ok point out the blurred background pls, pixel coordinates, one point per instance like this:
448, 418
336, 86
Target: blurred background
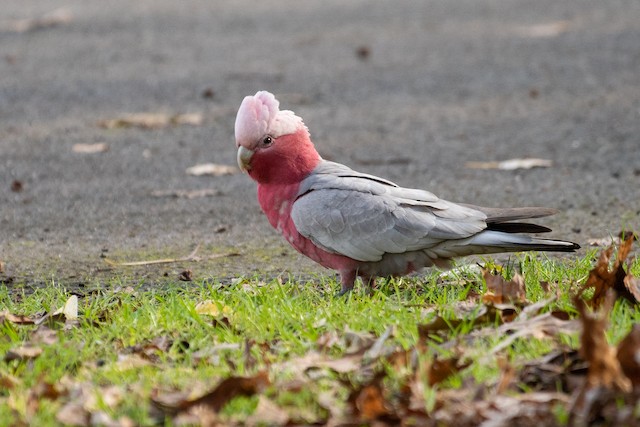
105, 107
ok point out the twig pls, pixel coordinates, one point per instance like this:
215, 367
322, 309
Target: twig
191, 257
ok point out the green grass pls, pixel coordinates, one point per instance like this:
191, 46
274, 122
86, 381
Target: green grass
286, 316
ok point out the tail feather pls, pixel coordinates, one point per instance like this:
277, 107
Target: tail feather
517, 227
500, 215
490, 241
516, 242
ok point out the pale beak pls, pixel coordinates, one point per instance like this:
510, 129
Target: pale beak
244, 158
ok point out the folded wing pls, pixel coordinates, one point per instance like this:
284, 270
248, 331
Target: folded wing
364, 217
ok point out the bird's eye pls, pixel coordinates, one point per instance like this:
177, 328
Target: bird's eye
267, 140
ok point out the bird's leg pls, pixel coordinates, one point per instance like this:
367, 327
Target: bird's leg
369, 281
347, 279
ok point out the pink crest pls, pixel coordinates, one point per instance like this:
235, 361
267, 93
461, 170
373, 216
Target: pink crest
259, 115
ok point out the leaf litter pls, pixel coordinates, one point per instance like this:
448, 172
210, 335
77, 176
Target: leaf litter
152, 120
360, 377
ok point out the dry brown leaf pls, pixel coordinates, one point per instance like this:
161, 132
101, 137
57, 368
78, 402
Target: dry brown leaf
628, 355
560, 370
44, 335
545, 325
481, 315
212, 308
42, 390
25, 352
314, 360
17, 319
73, 414
501, 291
380, 347
186, 194
601, 278
550, 29
152, 120
215, 400
368, 403
51, 19
99, 147
631, 288
8, 382
604, 368
131, 361
441, 369
212, 169
267, 413
511, 164
185, 276
507, 375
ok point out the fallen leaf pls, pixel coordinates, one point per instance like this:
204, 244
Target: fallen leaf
42, 390
441, 369
501, 291
368, 402
479, 315
73, 414
186, 194
70, 309
628, 355
44, 335
215, 400
545, 325
314, 360
152, 120
602, 278
17, 319
185, 276
67, 313
380, 348
550, 29
208, 307
8, 382
212, 169
507, 375
99, 147
126, 362
559, 370
25, 352
604, 367
631, 290
51, 19
511, 164
267, 413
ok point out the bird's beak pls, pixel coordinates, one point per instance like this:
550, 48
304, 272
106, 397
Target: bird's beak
244, 158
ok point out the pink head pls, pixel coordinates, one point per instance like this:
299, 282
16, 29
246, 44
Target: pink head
273, 145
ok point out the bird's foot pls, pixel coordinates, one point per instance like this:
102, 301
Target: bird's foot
344, 290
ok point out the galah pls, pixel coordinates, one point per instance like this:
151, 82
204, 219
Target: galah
359, 224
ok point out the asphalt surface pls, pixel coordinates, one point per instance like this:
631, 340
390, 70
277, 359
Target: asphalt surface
409, 90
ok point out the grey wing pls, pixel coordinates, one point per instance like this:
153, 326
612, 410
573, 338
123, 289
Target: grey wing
363, 217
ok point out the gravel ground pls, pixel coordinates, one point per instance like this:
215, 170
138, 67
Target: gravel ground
409, 90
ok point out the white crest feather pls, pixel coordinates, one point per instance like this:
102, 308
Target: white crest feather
259, 115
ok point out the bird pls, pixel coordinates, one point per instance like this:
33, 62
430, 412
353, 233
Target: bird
359, 224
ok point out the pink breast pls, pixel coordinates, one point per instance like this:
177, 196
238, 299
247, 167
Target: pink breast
277, 202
